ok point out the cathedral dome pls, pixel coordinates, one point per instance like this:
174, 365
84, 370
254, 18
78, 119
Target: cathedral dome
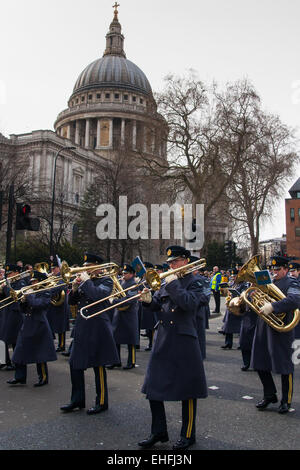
113, 71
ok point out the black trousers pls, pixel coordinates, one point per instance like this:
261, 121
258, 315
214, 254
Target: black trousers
131, 353
229, 339
159, 422
246, 355
62, 340
270, 388
217, 297
78, 386
41, 368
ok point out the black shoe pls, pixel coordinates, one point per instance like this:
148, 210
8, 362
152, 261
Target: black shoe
148, 349
129, 366
16, 381
183, 443
284, 407
2, 366
66, 354
227, 346
59, 349
40, 383
72, 406
112, 366
153, 439
244, 368
10, 367
262, 405
97, 409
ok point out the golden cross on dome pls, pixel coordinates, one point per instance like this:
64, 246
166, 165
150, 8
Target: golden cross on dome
115, 6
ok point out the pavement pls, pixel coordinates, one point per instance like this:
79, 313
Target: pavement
30, 418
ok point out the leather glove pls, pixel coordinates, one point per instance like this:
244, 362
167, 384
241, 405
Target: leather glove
146, 296
172, 277
267, 309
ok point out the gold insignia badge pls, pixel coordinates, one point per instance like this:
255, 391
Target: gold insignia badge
169, 252
84, 258
273, 262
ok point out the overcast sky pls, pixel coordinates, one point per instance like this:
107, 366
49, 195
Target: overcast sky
46, 44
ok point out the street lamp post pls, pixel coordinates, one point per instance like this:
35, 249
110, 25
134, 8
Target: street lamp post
53, 197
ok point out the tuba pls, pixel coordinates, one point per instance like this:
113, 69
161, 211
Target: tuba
256, 296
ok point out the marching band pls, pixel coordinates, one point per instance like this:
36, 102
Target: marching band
109, 306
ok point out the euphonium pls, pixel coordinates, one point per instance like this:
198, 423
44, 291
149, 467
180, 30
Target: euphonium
256, 296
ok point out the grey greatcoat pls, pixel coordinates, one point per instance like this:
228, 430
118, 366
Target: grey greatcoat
232, 322
35, 341
59, 316
272, 350
175, 370
125, 323
93, 343
12, 318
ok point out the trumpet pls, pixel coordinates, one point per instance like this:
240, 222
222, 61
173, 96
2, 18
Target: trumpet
152, 279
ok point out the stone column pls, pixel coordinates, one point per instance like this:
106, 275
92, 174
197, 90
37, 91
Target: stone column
87, 133
98, 133
111, 133
77, 141
134, 135
122, 132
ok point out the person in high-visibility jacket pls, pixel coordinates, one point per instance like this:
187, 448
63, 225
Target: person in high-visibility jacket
215, 287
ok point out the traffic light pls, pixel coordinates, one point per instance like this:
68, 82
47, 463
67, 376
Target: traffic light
23, 221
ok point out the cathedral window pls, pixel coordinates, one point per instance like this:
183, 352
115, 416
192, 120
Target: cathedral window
90, 97
98, 96
117, 96
107, 96
134, 98
125, 97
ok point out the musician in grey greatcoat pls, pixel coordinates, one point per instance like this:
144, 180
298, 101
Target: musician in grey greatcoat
11, 316
232, 322
175, 370
93, 343
272, 350
34, 342
59, 310
125, 321
294, 272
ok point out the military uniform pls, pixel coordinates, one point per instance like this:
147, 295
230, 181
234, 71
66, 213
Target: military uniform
59, 315
34, 342
11, 316
125, 322
272, 350
232, 322
175, 370
93, 343
293, 266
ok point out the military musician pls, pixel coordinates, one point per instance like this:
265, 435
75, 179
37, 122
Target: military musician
93, 343
175, 370
34, 341
272, 350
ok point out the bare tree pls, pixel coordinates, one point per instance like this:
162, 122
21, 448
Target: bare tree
261, 180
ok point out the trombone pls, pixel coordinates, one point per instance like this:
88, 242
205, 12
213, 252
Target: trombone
15, 295
111, 269
152, 278
16, 277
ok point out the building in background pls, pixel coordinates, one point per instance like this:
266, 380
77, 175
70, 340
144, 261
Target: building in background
292, 218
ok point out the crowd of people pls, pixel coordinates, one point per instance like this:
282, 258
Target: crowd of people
38, 308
